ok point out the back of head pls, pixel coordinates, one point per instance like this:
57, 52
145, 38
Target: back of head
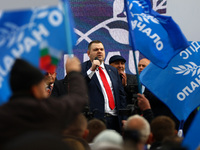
37, 141
140, 124
76, 143
108, 139
95, 126
23, 76
172, 143
132, 140
162, 127
77, 127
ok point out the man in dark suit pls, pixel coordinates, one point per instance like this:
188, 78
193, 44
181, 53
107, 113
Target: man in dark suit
129, 81
99, 99
60, 87
50, 79
136, 103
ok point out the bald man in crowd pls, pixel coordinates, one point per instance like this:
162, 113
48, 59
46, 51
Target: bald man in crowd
137, 132
142, 64
157, 106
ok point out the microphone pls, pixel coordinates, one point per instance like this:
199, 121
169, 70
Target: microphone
96, 58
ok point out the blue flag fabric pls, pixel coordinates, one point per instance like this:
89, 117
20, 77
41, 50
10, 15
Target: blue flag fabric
69, 26
178, 84
191, 140
156, 36
23, 33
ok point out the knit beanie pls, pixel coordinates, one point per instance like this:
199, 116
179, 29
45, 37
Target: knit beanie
23, 76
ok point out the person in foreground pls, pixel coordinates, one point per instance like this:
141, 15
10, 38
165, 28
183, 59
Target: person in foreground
29, 109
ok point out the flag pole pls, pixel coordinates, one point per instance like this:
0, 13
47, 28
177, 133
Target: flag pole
137, 73
134, 49
67, 28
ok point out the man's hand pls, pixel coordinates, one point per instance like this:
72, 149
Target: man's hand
95, 63
123, 124
143, 102
124, 78
73, 64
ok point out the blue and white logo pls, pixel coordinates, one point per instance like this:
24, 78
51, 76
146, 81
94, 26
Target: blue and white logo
23, 32
178, 85
153, 34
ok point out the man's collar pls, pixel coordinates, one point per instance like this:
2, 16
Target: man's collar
102, 66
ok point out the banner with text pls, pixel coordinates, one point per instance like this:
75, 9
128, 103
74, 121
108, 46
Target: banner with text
104, 20
178, 85
36, 35
162, 36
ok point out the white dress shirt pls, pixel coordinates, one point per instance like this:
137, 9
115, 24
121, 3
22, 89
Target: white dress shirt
90, 74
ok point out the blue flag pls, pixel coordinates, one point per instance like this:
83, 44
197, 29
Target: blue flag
178, 85
36, 35
157, 37
191, 140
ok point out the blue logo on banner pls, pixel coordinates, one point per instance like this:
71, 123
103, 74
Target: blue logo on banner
178, 84
157, 37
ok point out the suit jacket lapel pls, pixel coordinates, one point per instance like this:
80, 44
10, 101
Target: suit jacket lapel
110, 73
95, 79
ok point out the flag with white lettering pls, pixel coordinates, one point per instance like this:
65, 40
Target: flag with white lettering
156, 36
191, 140
37, 35
178, 85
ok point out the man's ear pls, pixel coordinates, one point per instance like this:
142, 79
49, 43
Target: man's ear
88, 52
85, 134
34, 91
150, 139
175, 132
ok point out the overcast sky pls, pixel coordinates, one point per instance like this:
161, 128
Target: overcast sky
186, 14
16, 4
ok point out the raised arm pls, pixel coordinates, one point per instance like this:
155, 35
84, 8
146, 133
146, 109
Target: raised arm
72, 104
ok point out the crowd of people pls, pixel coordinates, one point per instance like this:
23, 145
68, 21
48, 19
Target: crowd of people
46, 113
